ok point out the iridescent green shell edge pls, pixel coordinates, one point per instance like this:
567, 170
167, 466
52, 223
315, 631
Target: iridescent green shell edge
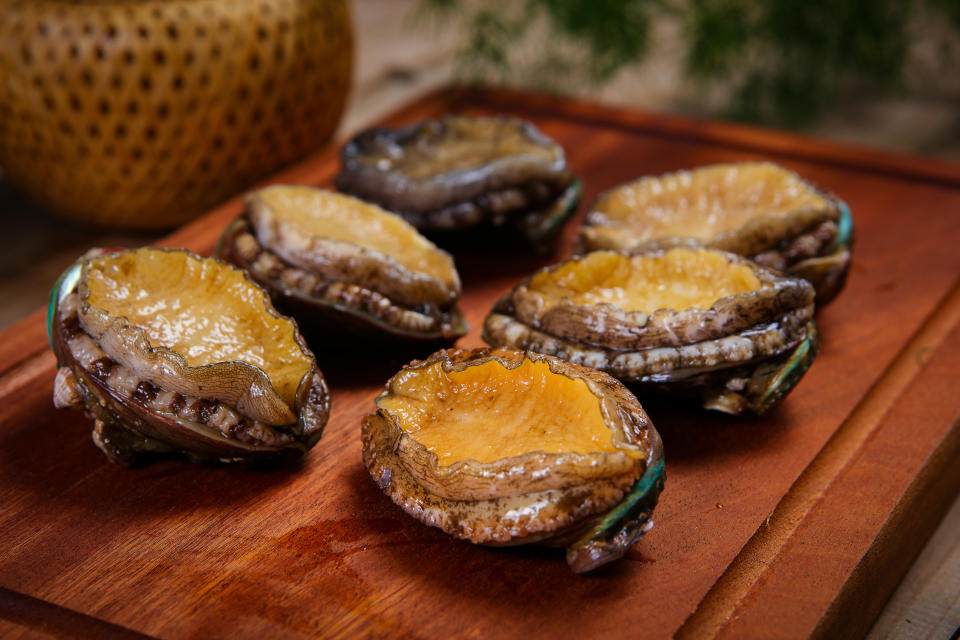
786, 377
625, 521
66, 283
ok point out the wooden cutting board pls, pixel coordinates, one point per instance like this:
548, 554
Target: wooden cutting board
794, 524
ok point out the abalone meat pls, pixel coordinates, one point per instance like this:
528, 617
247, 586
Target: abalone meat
463, 173
170, 352
681, 319
756, 209
502, 447
345, 266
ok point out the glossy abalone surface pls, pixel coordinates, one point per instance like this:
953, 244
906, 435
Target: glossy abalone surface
756, 209
503, 447
464, 172
345, 267
169, 352
674, 319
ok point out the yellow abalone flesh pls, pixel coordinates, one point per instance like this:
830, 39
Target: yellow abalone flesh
503, 447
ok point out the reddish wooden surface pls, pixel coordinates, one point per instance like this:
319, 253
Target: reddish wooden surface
793, 524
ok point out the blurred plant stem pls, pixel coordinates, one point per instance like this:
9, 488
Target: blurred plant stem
778, 61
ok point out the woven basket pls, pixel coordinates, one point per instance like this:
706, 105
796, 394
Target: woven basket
142, 114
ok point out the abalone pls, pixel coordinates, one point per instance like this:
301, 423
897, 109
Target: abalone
346, 267
502, 447
464, 173
169, 352
756, 209
679, 320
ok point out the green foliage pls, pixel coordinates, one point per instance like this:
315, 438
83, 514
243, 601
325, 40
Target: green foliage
782, 61
793, 55
615, 31
590, 40
719, 33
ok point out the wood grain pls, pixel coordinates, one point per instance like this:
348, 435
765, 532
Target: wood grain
795, 524
798, 533
49, 620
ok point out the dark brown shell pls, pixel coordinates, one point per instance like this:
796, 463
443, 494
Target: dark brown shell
714, 351
595, 504
462, 172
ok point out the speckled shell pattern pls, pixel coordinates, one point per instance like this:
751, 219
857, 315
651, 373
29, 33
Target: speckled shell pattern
536, 497
144, 113
667, 346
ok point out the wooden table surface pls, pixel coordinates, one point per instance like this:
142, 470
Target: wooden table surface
798, 523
